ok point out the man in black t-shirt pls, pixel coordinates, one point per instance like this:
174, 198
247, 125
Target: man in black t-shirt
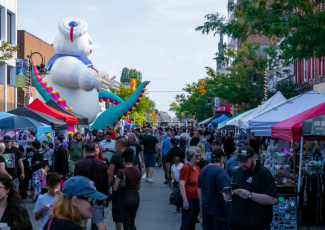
150, 146
252, 202
37, 157
12, 159
121, 143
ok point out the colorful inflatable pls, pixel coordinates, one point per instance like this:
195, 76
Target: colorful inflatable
75, 84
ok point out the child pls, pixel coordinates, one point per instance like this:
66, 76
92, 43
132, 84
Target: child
39, 179
45, 202
176, 168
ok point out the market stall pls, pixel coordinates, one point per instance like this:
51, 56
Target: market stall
218, 120
231, 124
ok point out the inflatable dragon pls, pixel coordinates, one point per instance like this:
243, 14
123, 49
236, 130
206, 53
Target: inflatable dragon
75, 84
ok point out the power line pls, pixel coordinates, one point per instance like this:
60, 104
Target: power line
165, 91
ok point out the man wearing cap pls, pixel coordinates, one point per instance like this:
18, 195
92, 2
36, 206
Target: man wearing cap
13, 159
214, 145
252, 202
95, 170
232, 164
212, 180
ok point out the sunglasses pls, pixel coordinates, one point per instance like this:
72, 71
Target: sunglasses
197, 156
91, 200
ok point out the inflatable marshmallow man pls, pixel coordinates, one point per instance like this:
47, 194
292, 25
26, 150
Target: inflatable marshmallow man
71, 73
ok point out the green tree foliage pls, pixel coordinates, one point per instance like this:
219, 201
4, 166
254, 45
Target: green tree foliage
143, 110
234, 87
7, 51
127, 74
176, 108
298, 23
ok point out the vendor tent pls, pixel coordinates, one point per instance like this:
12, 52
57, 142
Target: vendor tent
217, 121
18, 122
290, 129
5, 115
217, 115
262, 124
224, 123
134, 124
40, 117
266, 106
234, 122
204, 121
40, 106
81, 119
314, 126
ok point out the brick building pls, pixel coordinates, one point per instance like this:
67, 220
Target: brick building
29, 44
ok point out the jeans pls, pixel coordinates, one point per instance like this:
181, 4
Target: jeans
213, 222
189, 216
128, 206
15, 184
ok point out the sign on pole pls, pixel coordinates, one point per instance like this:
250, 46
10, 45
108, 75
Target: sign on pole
224, 108
217, 102
21, 65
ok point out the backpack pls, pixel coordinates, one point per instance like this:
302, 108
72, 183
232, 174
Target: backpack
175, 197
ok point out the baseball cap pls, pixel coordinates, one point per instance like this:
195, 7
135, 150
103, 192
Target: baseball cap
215, 142
6, 138
174, 141
217, 153
241, 143
81, 186
245, 153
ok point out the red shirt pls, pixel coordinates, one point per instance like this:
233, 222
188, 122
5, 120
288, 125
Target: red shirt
113, 134
191, 176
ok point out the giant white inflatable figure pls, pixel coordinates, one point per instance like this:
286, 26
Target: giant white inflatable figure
75, 84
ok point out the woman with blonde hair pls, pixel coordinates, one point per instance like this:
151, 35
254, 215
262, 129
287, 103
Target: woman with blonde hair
2, 161
75, 205
203, 161
133, 143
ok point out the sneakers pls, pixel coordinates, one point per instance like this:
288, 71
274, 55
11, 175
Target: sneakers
177, 210
150, 180
146, 179
165, 182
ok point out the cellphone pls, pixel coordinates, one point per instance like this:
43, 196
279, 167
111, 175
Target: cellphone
234, 186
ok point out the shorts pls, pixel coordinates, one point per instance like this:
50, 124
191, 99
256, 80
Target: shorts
115, 209
150, 160
98, 216
72, 165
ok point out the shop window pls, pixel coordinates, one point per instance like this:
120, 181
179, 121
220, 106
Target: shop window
9, 39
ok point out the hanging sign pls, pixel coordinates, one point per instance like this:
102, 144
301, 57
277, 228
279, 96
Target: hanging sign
224, 108
21, 72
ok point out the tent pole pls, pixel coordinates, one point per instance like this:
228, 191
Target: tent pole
300, 162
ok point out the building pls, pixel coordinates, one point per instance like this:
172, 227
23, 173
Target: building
28, 44
8, 33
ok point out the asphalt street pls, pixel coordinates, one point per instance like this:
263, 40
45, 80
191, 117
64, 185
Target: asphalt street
154, 211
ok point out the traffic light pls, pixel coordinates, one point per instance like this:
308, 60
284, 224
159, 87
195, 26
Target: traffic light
202, 86
182, 114
153, 113
133, 85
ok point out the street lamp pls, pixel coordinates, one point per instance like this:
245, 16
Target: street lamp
253, 79
42, 72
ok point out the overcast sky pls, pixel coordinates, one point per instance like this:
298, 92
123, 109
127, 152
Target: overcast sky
156, 37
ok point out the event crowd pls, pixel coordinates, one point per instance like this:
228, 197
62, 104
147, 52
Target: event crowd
74, 181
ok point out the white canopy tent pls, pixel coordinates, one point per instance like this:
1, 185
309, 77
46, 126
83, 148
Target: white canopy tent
203, 122
262, 124
274, 101
234, 122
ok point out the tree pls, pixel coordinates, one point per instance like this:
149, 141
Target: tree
176, 108
7, 51
127, 74
295, 27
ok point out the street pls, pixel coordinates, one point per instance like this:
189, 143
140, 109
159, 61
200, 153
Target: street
154, 211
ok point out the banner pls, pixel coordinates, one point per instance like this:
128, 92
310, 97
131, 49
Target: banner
224, 108
271, 81
318, 126
21, 70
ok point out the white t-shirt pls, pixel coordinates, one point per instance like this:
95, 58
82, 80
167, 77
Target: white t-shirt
184, 136
176, 171
42, 201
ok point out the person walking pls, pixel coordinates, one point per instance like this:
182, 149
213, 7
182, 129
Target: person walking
173, 152
185, 136
13, 159
212, 180
11, 206
128, 195
95, 170
108, 146
252, 203
205, 141
47, 153
75, 151
175, 171
37, 156
150, 145
233, 164
188, 180
164, 148
60, 158
74, 206
2, 161
116, 164
133, 143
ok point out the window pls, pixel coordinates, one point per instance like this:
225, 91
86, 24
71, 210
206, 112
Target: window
9, 28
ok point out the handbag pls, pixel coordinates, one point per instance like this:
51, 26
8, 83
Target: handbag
123, 181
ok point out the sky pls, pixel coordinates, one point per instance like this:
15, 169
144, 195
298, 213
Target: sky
156, 37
